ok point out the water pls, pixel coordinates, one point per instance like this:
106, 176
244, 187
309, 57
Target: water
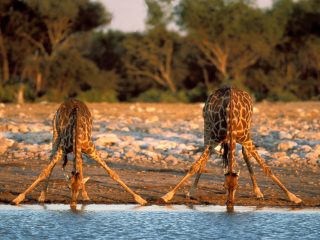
156, 222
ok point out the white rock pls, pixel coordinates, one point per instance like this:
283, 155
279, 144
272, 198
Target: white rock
13, 128
150, 109
284, 135
152, 119
107, 139
23, 128
5, 143
172, 160
306, 148
284, 146
165, 145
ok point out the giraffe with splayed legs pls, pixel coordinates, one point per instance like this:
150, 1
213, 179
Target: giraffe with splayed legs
227, 121
72, 126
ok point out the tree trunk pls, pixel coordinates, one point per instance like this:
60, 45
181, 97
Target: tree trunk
170, 83
5, 62
20, 94
38, 82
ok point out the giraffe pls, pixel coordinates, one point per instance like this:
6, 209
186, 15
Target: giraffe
72, 126
227, 121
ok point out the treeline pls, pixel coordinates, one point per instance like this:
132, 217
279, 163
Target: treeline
51, 50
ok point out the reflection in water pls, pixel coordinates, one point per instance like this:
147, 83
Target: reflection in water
54, 221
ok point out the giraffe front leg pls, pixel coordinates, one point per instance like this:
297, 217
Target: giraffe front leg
250, 148
196, 166
84, 193
256, 189
41, 177
93, 154
55, 147
191, 192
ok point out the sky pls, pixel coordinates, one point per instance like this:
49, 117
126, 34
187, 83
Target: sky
129, 15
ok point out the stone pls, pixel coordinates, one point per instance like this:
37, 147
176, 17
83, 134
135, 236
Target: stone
172, 160
13, 128
107, 139
5, 143
23, 128
285, 146
306, 148
150, 109
284, 135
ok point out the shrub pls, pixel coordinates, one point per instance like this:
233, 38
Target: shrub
156, 95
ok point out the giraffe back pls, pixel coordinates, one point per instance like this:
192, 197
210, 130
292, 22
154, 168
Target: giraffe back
222, 105
72, 113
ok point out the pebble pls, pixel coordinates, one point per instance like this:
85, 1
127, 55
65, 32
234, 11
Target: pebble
5, 143
107, 139
285, 146
284, 135
306, 148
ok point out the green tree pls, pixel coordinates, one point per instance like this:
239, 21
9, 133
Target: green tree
231, 35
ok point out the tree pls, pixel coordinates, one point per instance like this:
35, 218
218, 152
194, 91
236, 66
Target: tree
63, 23
231, 35
150, 55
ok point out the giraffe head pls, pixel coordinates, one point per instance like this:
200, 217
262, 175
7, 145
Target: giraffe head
75, 187
231, 185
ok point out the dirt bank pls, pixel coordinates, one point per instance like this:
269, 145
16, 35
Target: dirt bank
151, 146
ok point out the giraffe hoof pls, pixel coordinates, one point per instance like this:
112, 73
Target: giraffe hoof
140, 200
18, 199
258, 193
42, 197
166, 198
294, 198
190, 197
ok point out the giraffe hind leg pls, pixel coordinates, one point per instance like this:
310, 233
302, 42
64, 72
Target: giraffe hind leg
253, 152
256, 189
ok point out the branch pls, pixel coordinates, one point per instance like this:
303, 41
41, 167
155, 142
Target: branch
36, 43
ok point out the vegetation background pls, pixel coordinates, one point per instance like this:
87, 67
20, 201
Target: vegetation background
51, 50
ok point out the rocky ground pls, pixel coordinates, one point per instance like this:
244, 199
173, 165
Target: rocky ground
151, 146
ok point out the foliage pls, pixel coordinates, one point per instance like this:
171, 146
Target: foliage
57, 49
155, 95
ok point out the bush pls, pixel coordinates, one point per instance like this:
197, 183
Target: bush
156, 95
95, 95
197, 94
8, 93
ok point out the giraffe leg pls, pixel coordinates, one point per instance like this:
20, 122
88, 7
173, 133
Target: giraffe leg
55, 146
191, 192
43, 175
84, 193
44, 192
196, 166
256, 188
93, 154
250, 148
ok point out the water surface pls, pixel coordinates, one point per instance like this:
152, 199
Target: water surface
56, 221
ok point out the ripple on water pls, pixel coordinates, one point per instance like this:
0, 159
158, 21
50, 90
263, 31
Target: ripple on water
56, 221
